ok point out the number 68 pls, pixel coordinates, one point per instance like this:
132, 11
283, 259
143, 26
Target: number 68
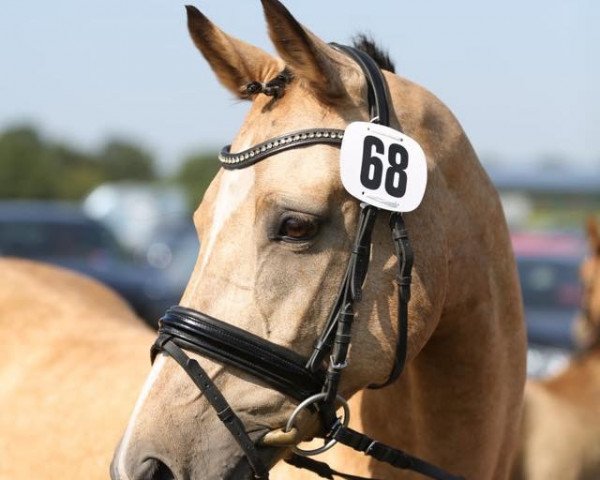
371, 172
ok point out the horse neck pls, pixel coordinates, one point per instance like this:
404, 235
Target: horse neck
446, 399
461, 209
449, 394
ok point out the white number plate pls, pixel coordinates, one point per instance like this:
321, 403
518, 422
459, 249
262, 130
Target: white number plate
383, 167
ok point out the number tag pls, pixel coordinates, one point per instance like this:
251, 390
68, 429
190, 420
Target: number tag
383, 167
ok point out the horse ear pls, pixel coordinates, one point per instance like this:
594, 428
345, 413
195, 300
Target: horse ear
310, 58
593, 231
236, 63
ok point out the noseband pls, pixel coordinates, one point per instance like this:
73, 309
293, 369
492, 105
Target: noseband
312, 382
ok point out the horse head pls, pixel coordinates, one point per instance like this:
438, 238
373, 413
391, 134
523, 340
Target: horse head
276, 241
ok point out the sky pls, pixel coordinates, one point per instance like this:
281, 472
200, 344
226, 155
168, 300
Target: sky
521, 76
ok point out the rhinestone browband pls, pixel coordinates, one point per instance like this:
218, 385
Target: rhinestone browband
230, 161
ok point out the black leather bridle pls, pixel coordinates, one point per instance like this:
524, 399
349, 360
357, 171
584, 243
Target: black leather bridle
314, 381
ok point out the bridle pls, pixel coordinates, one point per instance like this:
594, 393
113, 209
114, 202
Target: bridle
312, 382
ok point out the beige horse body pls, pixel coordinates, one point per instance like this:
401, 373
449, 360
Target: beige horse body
561, 421
458, 402
73, 356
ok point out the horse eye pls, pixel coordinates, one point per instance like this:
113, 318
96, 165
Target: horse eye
295, 228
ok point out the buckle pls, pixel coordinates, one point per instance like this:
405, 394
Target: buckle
337, 366
372, 445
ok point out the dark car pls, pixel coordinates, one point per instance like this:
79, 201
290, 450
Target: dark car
548, 265
63, 235
173, 251
551, 296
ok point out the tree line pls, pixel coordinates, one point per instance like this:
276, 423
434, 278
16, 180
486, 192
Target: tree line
34, 166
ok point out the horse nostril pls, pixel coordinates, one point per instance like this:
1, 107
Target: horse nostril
153, 469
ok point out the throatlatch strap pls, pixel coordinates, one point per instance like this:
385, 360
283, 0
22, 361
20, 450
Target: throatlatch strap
218, 402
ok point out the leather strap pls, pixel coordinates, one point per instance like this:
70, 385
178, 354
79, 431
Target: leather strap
351, 287
378, 104
279, 367
320, 468
384, 453
218, 402
301, 138
405, 257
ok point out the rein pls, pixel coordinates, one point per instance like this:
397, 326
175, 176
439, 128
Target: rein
313, 382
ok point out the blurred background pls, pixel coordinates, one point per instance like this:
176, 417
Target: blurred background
110, 122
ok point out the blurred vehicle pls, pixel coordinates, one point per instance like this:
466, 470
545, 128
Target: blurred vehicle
174, 251
548, 265
61, 234
137, 212
551, 196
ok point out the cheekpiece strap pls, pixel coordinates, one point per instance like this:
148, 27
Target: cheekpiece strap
378, 104
301, 138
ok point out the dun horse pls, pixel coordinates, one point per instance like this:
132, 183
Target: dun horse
561, 422
73, 354
277, 237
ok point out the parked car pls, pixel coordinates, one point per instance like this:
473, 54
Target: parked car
548, 265
63, 235
174, 252
136, 212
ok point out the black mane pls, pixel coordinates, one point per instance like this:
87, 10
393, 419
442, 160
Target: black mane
367, 44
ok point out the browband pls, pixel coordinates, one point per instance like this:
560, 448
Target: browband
302, 138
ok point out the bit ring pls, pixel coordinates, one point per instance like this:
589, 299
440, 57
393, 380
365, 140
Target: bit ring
305, 403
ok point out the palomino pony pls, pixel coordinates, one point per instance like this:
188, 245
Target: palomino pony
561, 421
276, 239
67, 380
